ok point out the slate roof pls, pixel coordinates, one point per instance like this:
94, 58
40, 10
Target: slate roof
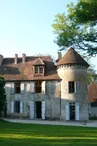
24, 71
72, 57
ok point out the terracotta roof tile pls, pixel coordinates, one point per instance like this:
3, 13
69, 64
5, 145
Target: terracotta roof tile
72, 57
24, 71
38, 61
92, 91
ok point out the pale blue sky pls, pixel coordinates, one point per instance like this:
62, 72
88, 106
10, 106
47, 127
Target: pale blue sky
25, 26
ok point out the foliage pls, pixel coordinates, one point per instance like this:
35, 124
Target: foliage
92, 75
15, 134
2, 94
78, 28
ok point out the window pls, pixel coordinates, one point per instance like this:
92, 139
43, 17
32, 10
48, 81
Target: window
17, 87
39, 69
36, 69
38, 87
17, 106
71, 87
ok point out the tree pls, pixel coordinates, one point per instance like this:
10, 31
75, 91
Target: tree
78, 28
91, 74
2, 94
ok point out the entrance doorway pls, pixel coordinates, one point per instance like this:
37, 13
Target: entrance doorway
38, 109
72, 111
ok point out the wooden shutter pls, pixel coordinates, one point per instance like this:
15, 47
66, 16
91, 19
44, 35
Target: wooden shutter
12, 88
77, 87
32, 112
21, 107
77, 111
32, 87
44, 87
67, 111
66, 87
43, 110
12, 106
22, 87
28, 87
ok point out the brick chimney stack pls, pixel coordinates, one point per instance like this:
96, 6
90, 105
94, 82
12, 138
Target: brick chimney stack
1, 59
23, 58
59, 55
16, 59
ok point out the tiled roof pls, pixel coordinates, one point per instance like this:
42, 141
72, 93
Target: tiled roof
24, 71
72, 57
92, 91
38, 61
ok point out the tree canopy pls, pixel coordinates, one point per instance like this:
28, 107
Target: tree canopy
2, 94
78, 28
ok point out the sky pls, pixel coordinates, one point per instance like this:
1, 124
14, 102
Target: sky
26, 26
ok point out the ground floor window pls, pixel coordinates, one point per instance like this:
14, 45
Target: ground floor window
17, 106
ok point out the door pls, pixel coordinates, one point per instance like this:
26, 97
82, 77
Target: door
72, 111
38, 109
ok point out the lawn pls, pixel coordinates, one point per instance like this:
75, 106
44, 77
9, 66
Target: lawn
15, 134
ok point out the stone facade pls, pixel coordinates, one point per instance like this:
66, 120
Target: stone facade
36, 88
50, 95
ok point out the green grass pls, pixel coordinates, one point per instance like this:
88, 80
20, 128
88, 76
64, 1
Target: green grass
15, 134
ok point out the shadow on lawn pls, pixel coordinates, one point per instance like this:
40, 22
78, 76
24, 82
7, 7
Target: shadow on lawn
13, 134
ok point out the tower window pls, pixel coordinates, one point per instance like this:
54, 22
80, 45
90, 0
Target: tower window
71, 87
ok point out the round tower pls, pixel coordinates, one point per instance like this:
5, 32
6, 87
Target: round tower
72, 69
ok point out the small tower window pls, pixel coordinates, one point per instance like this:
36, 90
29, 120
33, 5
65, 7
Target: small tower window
71, 87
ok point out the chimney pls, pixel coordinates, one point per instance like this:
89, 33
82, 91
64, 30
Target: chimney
16, 59
1, 59
23, 58
59, 55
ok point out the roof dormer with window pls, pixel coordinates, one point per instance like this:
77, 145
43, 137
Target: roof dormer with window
38, 67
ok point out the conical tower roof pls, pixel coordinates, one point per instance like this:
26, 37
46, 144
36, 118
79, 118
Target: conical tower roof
72, 57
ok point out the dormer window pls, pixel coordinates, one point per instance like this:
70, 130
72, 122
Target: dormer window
36, 69
39, 67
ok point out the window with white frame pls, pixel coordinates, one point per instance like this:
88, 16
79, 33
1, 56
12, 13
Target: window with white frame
17, 106
71, 87
38, 86
17, 87
39, 69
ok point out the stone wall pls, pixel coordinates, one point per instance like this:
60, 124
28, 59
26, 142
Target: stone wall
51, 98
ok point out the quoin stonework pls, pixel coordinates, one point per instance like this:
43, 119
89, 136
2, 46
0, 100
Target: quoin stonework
37, 88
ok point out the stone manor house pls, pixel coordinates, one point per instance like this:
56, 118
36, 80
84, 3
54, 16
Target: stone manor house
36, 87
